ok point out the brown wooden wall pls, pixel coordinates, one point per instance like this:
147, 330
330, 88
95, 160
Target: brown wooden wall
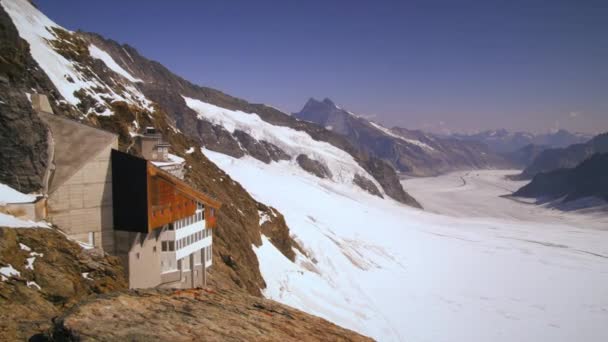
166, 203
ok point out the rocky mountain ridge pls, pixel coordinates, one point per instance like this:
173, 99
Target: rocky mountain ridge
168, 90
504, 141
411, 152
588, 179
568, 157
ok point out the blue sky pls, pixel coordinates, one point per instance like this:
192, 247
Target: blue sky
457, 65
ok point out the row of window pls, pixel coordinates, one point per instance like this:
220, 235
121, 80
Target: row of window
199, 216
170, 246
208, 253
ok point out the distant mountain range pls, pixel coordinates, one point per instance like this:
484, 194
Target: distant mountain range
588, 179
411, 152
524, 156
568, 157
504, 141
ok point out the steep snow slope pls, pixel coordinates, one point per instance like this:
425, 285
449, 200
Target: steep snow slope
47, 43
341, 164
397, 273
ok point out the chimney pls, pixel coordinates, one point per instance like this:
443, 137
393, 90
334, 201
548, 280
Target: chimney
40, 104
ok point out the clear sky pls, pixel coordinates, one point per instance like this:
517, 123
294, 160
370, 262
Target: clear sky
458, 65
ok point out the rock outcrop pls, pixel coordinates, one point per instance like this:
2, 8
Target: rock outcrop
192, 315
367, 185
23, 136
53, 274
312, 166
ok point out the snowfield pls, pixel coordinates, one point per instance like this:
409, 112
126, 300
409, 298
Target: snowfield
341, 164
479, 194
400, 274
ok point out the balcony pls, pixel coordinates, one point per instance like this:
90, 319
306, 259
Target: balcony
187, 235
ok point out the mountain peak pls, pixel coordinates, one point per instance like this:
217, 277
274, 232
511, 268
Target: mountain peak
329, 102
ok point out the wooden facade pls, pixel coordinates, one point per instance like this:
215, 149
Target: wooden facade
165, 198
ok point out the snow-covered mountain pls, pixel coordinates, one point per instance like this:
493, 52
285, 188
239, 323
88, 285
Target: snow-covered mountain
411, 152
329, 233
504, 141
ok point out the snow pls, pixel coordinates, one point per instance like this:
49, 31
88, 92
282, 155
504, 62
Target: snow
341, 164
409, 141
30, 263
10, 195
24, 247
35, 28
33, 284
396, 273
263, 217
481, 194
173, 160
111, 63
8, 271
85, 275
13, 222
31, 259
190, 150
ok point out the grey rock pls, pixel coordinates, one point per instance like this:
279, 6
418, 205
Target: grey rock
367, 185
314, 167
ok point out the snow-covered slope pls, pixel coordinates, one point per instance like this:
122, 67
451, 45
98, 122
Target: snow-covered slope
397, 273
49, 45
341, 164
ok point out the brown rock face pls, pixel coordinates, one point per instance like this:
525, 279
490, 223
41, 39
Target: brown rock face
54, 282
192, 315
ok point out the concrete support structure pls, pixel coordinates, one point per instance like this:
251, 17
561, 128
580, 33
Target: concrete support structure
80, 182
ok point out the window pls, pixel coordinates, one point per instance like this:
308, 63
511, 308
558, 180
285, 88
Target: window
163, 246
154, 249
171, 246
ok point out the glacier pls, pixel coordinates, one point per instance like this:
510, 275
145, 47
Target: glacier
396, 273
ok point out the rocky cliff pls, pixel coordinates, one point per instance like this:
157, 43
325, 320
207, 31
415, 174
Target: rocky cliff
23, 157
192, 315
588, 179
568, 157
50, 274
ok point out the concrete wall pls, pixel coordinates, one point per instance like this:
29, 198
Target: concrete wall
147, 146
35, 211
82, 205
140, 254
146, 264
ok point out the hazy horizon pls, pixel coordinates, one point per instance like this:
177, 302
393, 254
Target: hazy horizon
434, 66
